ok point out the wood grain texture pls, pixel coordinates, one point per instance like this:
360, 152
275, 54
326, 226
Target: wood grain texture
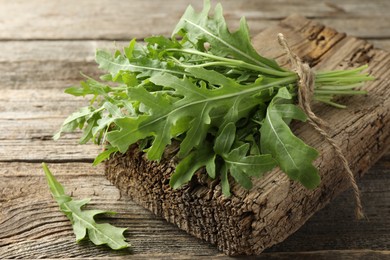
40, 56
33, 104
250, 221
105, 19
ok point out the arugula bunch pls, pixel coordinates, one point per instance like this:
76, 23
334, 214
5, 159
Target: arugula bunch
208, 89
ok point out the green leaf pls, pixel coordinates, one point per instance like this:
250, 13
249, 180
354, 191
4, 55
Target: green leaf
77, 91
225, 181
201, 27
242, 166
88, 130
104, 155
241, 178
129, 50
145, 66
133, 129
83, 221
251, 165
294, 157
73, 121
225, 139
211, 167
189, 165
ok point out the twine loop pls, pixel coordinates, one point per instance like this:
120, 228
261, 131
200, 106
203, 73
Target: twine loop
306, 85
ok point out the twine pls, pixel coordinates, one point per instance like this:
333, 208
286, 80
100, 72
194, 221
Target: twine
305, 93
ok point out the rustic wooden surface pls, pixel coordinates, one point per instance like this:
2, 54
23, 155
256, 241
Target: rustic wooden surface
44, 45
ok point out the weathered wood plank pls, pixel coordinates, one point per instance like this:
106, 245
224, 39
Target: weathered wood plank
381, 44
127, 19
31, 53
28, 121
250, 221
59, 63
330, 254
30, 139
38, 150
54, 51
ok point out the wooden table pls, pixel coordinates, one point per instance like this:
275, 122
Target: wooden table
43, 47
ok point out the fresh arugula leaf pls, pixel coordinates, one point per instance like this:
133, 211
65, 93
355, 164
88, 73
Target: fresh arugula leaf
225, 185
251, 165
201, 27
293, 156
187, 167
83, 221
89, 87
104, 155
243, 166
145, 66
87, 133
237, 162
225, 140
74, 121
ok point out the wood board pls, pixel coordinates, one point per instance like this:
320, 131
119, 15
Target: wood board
250, 221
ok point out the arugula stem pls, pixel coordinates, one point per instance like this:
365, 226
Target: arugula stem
235, 63
340, 92
332, 87
202, 65
328, 102
338, 73
344, 79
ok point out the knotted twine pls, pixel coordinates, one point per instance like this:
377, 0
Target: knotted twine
306, 84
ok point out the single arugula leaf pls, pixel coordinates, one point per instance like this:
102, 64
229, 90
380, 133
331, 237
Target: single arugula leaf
83, 221
237, 162
74, 121
145, 66
91, 123
89, 87
225, 140
137, 128
105, 120
104, 155
201, 27
225, 185
242, 166
187, 167
294, 157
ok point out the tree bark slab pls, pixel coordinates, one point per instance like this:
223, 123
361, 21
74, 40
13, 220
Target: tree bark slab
250, 221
